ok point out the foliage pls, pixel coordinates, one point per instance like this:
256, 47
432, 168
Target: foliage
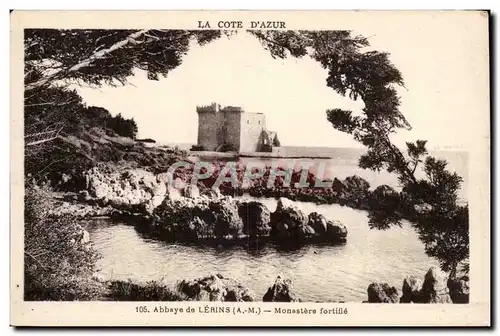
75, 149
100, 117
151, 291
357, 72
98, 56
446, 236
58, 263
64, 108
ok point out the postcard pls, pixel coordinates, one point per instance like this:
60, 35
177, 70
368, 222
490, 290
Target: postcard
250, 168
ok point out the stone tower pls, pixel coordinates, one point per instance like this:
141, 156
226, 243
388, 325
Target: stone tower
229, 128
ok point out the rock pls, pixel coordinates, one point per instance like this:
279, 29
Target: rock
336, 231
307, 232
318, 222
191, 191
288, 221
188, 219
215, 288
435, 287
84, 196
184, 219
197, 228
227, 219
174, 193
281, 231
163, 178
337, 186
211, 193
356, 184
129, 189
382, 293
256, 218
356, 191
288, 213
153, 203
459, 289
385, 199
179, 184
411, 290
79, 210
281, 291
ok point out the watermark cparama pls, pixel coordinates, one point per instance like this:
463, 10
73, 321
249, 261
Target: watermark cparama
295, 174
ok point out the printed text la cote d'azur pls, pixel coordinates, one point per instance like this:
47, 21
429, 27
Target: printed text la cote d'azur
240, 24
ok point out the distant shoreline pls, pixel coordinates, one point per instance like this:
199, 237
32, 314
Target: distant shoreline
263, 155
186, 146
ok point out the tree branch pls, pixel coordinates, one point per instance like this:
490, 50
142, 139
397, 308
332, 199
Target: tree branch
51, 103
131, 39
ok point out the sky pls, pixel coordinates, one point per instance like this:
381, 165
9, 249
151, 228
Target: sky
441, 70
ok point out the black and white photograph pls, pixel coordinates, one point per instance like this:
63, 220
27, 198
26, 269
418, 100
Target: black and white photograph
250, 161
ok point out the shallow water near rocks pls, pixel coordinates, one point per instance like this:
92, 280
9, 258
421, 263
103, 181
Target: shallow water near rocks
319, 273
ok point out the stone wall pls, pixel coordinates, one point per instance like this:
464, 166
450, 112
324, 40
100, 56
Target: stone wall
232, 124
252, 125
208, 123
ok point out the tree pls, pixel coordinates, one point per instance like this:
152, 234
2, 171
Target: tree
123, 127
100, 56
55, 59
360, 73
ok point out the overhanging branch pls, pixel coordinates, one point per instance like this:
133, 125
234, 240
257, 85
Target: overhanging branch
131, 39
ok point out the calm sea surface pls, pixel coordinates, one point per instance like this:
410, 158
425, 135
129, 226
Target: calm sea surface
319, 273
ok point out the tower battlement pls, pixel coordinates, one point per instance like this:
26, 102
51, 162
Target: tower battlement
234, 109
212, 108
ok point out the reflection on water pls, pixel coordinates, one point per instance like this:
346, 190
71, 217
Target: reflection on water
319, 272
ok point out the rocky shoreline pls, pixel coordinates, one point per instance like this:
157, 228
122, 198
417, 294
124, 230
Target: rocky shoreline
185, 213
113, 184
434, 288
